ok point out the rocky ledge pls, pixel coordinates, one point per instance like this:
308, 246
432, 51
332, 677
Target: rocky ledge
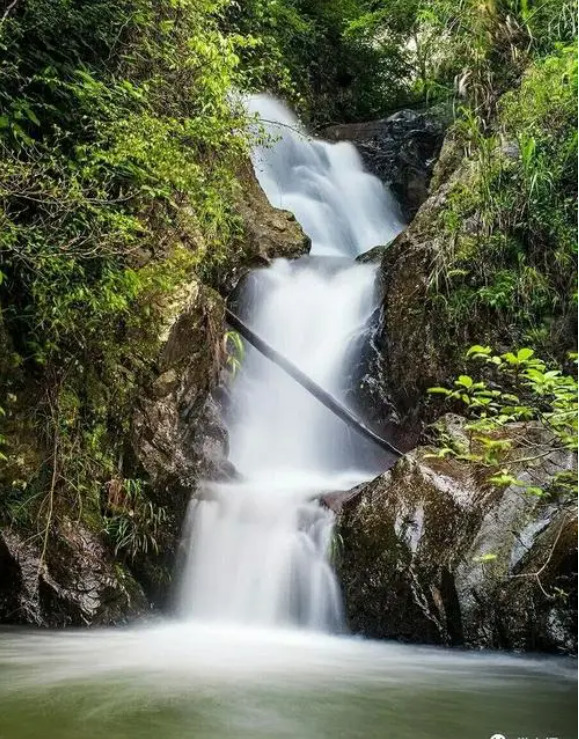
75, 582
431, 553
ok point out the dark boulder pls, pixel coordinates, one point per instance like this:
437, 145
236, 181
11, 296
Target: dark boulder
411, 346
74, 582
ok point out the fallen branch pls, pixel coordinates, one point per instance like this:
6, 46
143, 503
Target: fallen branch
308, 384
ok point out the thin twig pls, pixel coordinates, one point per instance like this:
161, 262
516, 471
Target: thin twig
8, 10
53, 481
538, 456
537, 575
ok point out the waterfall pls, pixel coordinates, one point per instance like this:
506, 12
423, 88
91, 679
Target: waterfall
259, 548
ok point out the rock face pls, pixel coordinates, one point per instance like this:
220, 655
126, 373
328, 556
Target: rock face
267, 233
432, 554
411, 347
178, 436
401, 150
168, 416
369, 392
410, 357
75, 583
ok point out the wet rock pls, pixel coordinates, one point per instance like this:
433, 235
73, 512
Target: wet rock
407, 347
433, 554
412, 347
170, 410
373, 256
75, 582
268, 233
401, 150
369, 395
178, 437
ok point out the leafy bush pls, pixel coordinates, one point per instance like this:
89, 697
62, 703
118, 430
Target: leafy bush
119, 145
519, 388
336, 60
132, 522
511, 227
478, 50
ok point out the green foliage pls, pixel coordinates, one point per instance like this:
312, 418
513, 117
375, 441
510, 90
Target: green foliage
335, 548
483, 558
479, 48
119, 145
235, 351
511, 259
509, 254
335, 60
515, 388
357, 59
133, 523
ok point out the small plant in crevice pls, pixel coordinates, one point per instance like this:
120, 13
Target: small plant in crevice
234, 351
132, 522
335, 548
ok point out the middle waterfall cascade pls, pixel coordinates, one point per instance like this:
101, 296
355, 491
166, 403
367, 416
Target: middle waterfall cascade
259, 547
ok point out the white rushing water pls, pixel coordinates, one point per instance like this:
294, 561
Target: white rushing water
259, 548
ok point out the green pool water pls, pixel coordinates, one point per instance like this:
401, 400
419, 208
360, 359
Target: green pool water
214, 682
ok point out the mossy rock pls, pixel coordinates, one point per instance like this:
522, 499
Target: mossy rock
434, 554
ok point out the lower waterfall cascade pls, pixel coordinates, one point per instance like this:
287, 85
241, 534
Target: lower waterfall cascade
258, 548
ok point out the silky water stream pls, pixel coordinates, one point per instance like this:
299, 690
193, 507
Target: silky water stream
258, 649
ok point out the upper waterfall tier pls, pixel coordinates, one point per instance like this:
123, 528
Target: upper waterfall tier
343, 209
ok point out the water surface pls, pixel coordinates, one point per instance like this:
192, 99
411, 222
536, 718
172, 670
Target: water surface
217, 682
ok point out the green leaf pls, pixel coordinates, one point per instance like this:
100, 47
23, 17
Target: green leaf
535, 376
504, 479
465, 381
531, 490
31, 115
439, 390
441, 454
524, 354
477, 349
